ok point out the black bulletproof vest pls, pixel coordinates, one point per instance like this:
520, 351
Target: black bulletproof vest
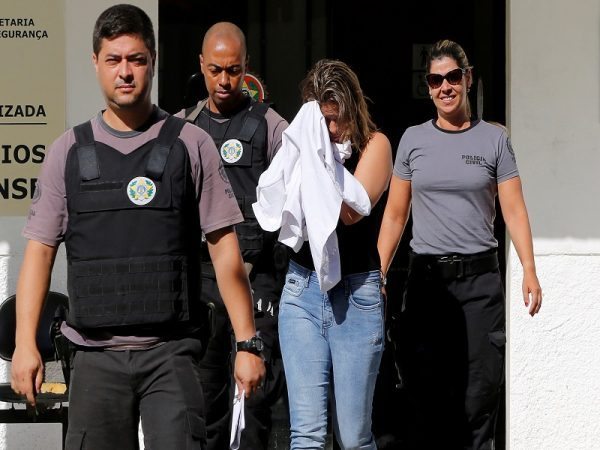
131, 264
249, 128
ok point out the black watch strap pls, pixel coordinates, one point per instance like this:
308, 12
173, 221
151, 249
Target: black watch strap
252, 345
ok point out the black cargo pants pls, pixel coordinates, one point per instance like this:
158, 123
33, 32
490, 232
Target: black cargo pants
216, 367
453, 355
111, 390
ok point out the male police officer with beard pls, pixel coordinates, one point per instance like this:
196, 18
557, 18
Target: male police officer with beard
131, 192
247, 135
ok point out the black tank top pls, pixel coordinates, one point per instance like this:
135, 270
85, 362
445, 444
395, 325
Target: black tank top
357, 242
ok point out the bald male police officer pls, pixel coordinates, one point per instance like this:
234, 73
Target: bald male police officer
247, 134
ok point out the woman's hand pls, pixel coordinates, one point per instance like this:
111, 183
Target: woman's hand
532, 292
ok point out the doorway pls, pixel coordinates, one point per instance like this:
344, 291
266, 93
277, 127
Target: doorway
383, 42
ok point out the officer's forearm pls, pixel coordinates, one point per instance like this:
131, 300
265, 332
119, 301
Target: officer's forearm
32, 287
232, 281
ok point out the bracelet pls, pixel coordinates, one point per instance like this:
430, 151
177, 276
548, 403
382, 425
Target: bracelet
382, 277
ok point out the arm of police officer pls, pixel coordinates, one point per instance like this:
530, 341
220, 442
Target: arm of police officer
235, 290
514, 212
373, 171
27, 368
394, 221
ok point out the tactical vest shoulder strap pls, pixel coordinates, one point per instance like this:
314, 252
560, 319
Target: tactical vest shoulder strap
160, 152
86, 151
255, 115
192, 113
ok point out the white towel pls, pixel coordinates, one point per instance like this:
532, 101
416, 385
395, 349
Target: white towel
302, 192
238, 420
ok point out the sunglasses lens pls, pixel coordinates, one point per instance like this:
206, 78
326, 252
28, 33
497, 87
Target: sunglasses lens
454, 76
434, 80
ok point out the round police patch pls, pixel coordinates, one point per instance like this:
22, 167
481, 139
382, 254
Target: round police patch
232, 150
141, 190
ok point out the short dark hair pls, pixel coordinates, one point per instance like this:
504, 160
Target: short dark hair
124, 19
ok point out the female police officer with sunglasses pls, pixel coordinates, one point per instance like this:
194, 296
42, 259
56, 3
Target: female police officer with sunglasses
452, 168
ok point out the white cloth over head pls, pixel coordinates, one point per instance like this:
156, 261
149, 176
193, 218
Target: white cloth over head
303, 189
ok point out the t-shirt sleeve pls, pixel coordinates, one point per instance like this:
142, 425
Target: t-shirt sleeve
276, 125
402, 164
506, 167
217, 203
47, 219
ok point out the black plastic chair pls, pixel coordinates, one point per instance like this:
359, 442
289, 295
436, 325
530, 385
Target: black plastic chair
48, 339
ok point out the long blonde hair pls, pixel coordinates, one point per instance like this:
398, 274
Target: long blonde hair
333, 81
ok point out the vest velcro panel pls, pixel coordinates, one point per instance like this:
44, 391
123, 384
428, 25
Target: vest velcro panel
253, 120
128, 291
158, 158
86, 152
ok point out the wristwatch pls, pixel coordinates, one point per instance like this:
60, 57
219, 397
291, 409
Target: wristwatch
253, 345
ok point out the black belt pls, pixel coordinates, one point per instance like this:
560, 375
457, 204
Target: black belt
455, 266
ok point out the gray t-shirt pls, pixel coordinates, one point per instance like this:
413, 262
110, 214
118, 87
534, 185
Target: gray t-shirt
47, 221
454, 179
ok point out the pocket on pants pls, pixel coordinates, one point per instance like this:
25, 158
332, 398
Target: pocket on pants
498, 341
367, 295
196, 430
294, 284
74, 440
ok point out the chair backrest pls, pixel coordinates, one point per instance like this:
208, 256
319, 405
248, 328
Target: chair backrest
8, 322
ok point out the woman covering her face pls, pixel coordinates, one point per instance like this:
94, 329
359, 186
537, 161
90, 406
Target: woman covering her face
451, 169
332, 340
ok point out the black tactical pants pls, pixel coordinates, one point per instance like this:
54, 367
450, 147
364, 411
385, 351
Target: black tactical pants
453, 356
111, 390
217, 373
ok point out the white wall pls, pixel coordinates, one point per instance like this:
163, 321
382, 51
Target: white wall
554, 120
84, 100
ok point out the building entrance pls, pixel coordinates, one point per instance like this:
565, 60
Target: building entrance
384, 43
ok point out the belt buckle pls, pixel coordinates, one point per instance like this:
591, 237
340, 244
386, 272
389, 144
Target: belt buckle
456, 262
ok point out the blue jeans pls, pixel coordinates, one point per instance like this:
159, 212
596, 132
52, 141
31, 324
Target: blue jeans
332, 339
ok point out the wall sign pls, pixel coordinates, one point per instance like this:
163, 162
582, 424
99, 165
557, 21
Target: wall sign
32, 95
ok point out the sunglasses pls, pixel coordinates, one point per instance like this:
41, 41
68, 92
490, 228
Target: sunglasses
454, 77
